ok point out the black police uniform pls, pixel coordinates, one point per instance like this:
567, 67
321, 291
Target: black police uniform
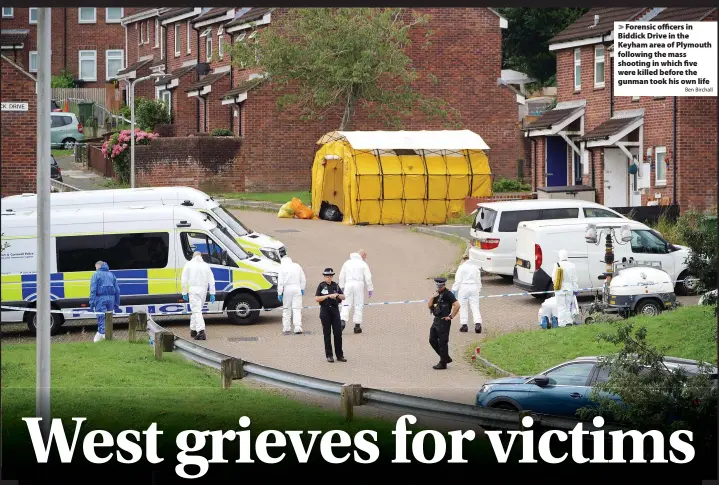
330, 318
439, 332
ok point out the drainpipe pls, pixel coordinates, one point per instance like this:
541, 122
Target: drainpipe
232, 110
611, 87
534, 170
197, 57
674, 155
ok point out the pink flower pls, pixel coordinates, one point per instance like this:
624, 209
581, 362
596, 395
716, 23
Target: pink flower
124, 145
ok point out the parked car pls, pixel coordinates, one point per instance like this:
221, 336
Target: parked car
539, 242
65, 130
560, 390
494, 231
55, 171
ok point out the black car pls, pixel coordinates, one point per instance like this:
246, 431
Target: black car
55, 172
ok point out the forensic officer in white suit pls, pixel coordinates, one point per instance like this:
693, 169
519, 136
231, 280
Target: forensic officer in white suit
566, 294
291, 284
197, 277
466, 287
355, 277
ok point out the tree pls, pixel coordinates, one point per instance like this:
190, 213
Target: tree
654, 397
524, 42
700, 233
325, 60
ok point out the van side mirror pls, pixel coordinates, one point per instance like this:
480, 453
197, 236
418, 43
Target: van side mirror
541, 381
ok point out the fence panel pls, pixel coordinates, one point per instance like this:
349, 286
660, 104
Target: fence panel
96, 95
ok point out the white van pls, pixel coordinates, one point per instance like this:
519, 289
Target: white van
251, 241
494, 231
539, 243
145, 247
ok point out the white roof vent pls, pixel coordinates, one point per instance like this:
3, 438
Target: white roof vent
596, 20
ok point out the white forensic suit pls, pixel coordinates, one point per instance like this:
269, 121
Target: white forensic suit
566, 301
467, 285
291, 284
355, 277
197, 277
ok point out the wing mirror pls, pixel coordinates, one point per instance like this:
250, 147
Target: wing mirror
541, 381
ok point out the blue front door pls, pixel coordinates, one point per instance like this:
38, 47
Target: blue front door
556, 161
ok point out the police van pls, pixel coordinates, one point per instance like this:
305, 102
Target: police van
146, 248
251, 241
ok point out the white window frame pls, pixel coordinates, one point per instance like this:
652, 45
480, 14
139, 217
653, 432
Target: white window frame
79, 65
147, 37
208, 48
94, 16
167, 94
29, 61
220, 44
142, 33
29, 15
108, 20
162, 42
657, 181
114, 57
178, 47
157, 33
599, 60
577, 64
189, 38
8, 15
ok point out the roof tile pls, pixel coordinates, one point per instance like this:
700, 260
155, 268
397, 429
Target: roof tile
608, 128
584, 27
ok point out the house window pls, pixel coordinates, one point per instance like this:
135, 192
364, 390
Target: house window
208, 48
166, 97
8, 12
189, 44
113, 62
33, 61
33, 15
162, 42
87, 15
157, 33
142, 33
599, 67
660, 154
177, 40
88, 65
114, 15
220, 46
147, 37
577, 69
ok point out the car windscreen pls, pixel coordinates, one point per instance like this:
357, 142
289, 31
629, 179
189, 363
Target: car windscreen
226, 216
225, 238
510, 219
484, 221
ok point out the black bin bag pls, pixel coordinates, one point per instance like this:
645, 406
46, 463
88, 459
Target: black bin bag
330, 212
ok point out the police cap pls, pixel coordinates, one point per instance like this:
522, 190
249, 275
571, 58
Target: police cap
328, 272
440, 282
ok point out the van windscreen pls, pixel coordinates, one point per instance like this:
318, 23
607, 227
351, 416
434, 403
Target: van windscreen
511, 219
226, 216
484, 221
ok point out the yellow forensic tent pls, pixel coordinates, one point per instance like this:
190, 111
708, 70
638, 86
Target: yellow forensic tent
400, 177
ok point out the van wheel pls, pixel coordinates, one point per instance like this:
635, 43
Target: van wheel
56, 321
505, 405
688, 284
243, 309
649, 307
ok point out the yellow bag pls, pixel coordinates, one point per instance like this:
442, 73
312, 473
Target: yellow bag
286, 211
559, 276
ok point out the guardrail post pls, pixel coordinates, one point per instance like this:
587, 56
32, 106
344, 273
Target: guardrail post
230, 369
164, 342
350, 396
132, 328
141, 321
108, 326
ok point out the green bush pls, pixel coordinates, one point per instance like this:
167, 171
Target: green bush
63, 80
150, 113
510, 185
222, 132
699, 232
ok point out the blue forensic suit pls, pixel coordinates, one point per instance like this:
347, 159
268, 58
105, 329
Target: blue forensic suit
104, 295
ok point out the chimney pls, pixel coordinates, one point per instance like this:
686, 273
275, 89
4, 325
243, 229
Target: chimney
596, 20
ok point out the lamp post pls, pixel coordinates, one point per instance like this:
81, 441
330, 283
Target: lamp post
132, 124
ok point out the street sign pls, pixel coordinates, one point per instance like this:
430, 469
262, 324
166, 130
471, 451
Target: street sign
14, 106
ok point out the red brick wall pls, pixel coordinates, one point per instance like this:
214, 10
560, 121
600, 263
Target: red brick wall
67, 41
175, 62
218, 116
19, 133
186, 111
204, 162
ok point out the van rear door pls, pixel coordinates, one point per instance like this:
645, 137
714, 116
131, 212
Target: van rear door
525, 263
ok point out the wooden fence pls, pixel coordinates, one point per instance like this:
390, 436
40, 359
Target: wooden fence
96, 95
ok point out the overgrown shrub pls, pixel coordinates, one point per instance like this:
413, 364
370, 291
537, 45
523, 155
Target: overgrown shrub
150, 113
510, 185
63, 80
699, 231
222, 132
117, 149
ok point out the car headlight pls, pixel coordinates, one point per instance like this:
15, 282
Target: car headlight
271, 253
486, 388
271, 277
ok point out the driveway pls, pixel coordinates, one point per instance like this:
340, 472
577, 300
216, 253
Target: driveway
77, 175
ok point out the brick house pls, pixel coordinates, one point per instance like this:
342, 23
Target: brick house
19, 130
87, 41
592, 137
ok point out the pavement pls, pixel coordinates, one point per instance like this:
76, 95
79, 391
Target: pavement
453, 230
76, 175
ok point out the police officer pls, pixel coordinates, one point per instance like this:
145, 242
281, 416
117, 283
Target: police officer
329, 295
444, 307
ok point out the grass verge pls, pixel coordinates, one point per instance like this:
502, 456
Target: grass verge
686, 332
112, 184
61, 153
276, 197
120, 386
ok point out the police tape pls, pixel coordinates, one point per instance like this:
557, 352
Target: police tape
186, 305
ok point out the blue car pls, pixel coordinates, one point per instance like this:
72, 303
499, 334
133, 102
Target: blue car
559, 391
